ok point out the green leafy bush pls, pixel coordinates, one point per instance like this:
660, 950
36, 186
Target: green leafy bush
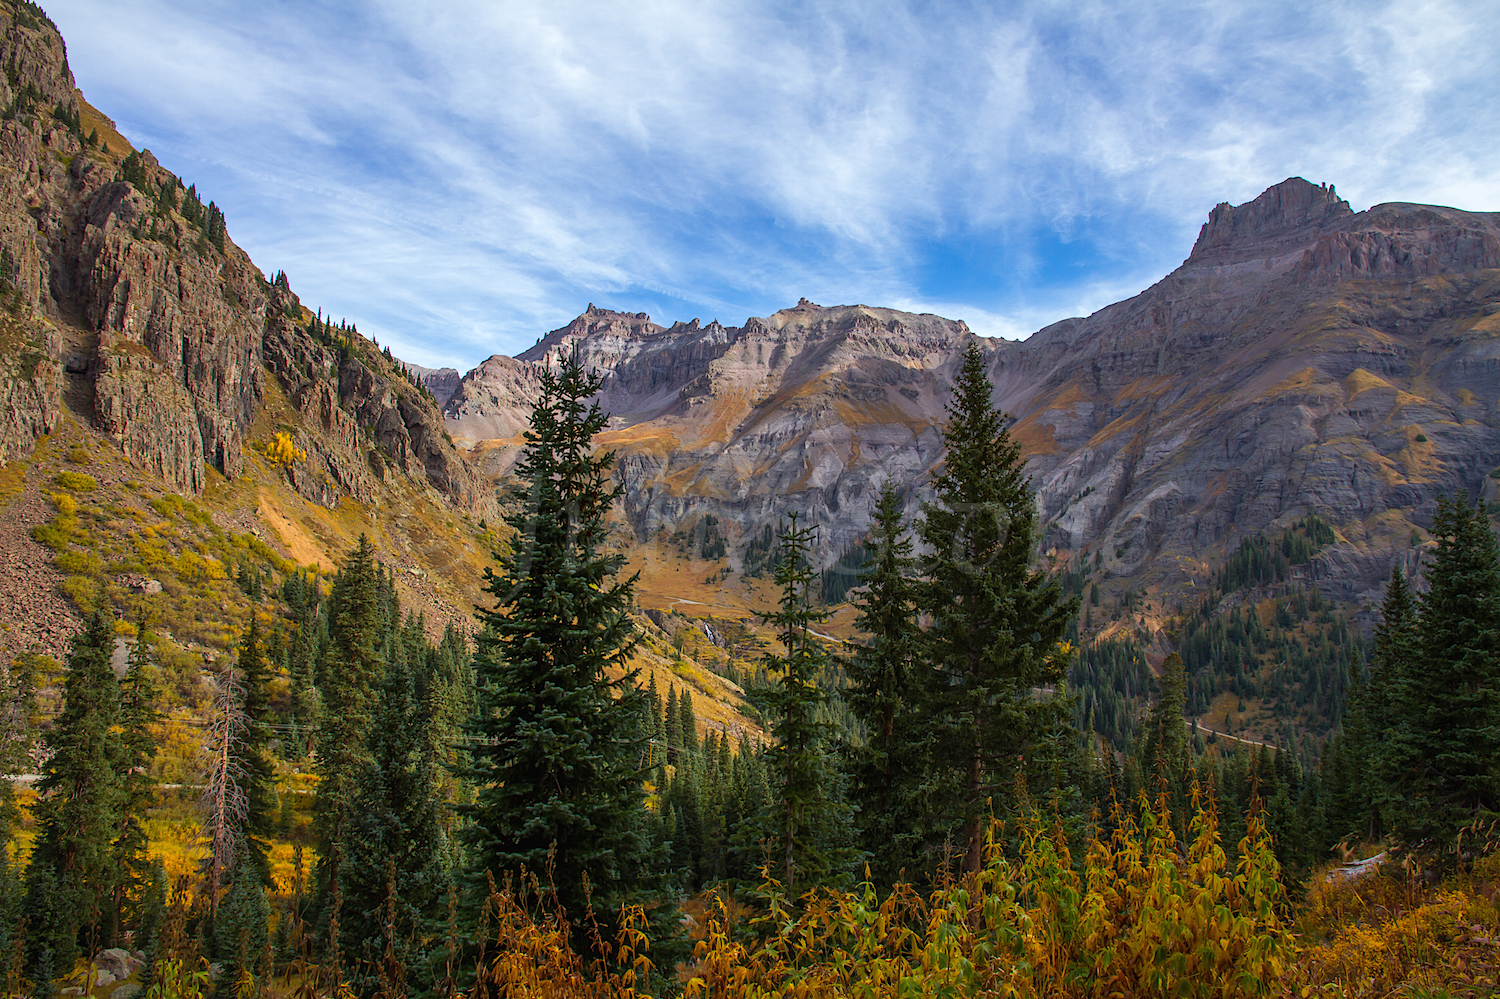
78, 482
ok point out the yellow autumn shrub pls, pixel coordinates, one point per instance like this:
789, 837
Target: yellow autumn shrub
282, 450
1143, 918
76, 482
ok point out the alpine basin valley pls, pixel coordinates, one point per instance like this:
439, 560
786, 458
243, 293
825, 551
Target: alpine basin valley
208, 479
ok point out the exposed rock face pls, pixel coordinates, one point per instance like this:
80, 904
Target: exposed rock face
161, 337
367, 418
179, 367
441, 382
1316, 361
1304, 359
159, 332
810, 409
31, 374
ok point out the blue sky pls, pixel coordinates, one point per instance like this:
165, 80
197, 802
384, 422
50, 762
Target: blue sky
461, 177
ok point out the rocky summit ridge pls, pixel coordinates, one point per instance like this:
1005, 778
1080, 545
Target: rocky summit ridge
1304, 358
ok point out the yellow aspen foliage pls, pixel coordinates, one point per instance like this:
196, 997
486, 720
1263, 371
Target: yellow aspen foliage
281, 450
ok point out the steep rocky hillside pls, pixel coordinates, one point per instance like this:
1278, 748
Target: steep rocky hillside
1303, 359
136, 337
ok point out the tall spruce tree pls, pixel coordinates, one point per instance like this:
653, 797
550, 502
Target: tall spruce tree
997, 623
138, 715
1393, 658
350, 672
394, 879
557, 785
1448, 735
803, 817
72, 874
1363, 764
886, 769
1165, 750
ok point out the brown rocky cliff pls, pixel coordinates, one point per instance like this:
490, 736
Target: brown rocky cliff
1304, 359
155, 329
158, 339
441, 382
366, 416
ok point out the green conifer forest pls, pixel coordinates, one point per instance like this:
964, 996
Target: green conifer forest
979, 795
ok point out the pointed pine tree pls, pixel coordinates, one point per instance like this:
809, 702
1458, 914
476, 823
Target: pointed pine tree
884, 770
1165, 751
996, 622
1392, 659
351, 670
1363, 759
557, 738
138, 715
394, 881
254, 749
1449, 716
802, 821
72, 871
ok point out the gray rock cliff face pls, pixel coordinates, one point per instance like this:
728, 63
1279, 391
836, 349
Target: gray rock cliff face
809, 409
1303, 359
441, 382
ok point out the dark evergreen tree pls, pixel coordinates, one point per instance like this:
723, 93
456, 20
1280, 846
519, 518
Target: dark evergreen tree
1446, 745
997, 623
557, 786
886, 768
394, 880
241, 926
804, 820
1165, 750
1165, 754
1363, 766
687, 723
347, 681
138, 715
72, 870
254, 749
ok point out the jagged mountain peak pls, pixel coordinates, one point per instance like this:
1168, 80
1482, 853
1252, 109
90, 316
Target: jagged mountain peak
593, 323
1290, 211
1231, 397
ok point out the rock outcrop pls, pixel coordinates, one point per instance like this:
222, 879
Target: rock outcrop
809, 409
441, 382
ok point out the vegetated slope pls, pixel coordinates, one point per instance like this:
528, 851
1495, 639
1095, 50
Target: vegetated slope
1304, 359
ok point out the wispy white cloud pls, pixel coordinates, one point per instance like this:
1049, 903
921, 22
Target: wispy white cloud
460, 177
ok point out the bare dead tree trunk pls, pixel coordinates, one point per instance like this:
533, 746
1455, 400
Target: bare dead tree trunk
224, 803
